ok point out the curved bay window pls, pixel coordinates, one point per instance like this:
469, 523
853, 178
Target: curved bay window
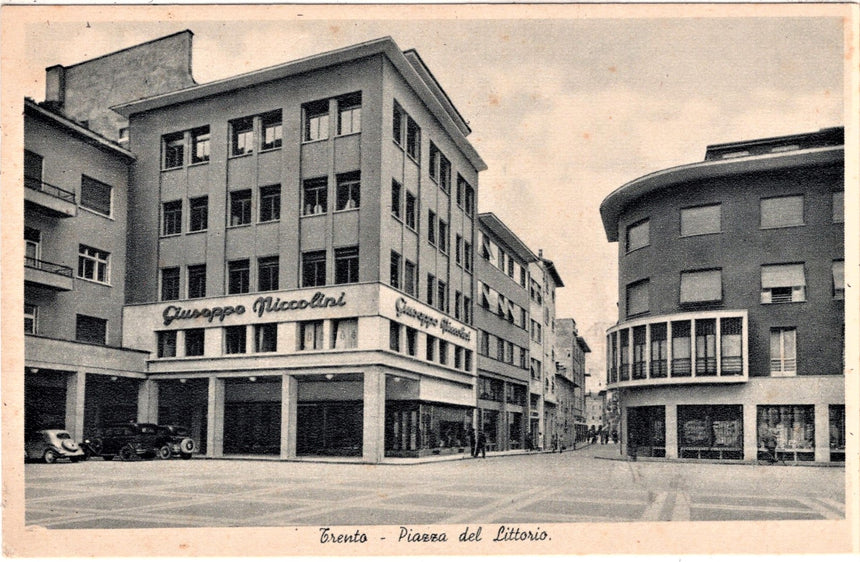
791, 427
710, 432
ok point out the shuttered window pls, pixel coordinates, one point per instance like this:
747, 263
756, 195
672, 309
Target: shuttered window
779, 212
637, 297
701, 220
95, 195
783, 283
701, 286
638, 235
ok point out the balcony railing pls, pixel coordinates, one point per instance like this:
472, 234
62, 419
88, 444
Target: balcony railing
53, 190
690, 347
48, 267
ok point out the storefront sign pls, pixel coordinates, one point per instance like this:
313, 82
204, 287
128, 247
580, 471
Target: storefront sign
427, 321
261, 306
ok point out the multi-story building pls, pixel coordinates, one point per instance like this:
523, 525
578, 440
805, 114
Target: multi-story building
543, 281
570, 353
731, 311
595, 410
502, 321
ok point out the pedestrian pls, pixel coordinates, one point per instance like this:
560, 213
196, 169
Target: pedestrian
769, 442
475, 442
481, 445
615, 436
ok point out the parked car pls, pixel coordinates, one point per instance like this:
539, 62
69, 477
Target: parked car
127, 440
175, 440
50, 445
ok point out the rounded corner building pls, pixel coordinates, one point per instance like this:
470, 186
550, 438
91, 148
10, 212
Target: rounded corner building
731, 312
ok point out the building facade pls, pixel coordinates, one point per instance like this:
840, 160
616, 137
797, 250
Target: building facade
731, 310
502, 321
571, 349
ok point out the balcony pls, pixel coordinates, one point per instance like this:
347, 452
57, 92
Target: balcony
49, 199
50, 275
691, 348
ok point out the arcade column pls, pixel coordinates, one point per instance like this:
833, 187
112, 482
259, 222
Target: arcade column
289, 416
147, 401
215, 419
76, 385
374, 416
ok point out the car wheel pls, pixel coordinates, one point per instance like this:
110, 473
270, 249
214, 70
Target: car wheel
50, 457
126, 453
164, 452
107, 457
185, 456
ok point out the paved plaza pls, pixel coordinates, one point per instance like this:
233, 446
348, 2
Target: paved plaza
574, 486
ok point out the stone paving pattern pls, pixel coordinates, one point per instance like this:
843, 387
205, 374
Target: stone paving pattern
573, 486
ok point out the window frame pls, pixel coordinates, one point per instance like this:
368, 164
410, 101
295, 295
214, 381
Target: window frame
693, 209
200, 138
641, 284
171, 218
272, 120
315, 259
166, 344
266, 334
241, 129
195, 213
88, 183
243, 200
349, 104
241, 268
411, 211
193, 274
395, 267
269, 203
319, 188
785, 362
349, 185
169, 143
235, 336
690, 275
802, 222
173, 285
98, 258
316, 121
797, 293
189, 341
346, 256
102, 325
646, 222
271, 265
31, 314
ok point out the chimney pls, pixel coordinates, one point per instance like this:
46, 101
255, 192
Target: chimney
55, 85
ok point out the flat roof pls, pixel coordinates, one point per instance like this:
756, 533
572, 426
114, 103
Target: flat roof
425, 86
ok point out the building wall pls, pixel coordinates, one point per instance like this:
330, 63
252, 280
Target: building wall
740, 250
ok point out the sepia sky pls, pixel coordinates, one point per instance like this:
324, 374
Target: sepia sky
563, 111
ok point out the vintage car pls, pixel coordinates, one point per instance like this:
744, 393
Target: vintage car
50, 445
129, 441
174, 440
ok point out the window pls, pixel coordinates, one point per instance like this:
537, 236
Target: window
268, 270
315, 196
783, 351
89, 329
167, 343
200, 145
32, 170
31, 317
658, 351
783, 283
397, 124
198, 214
273, 130
32, 246
467, 360
731, 346
637, 297
701, 286
313, 269
433, 163
431, 227
440, 168
235, 339
410, 210
95, 196
395, 270
345, 333
393, 336
411, 341
443, 236
500, 349
431, 288
396, 195
624, 344
311, 334
348, 191
458, 357
240, 207
349, 114
838, 206
316, 120
681, 351
638, 235
442, 303
170, 284
443, 352
194, 340
458, 304
93, 264
431, 348
241, 136
409, 270
524, 358
238, 277
484, 343
346, 265
706, 347
270, 203
469, 202
265, 338
173, 150
839, 279
413, 139
701, 220
779, 212
172, 218
467, 310
196, 281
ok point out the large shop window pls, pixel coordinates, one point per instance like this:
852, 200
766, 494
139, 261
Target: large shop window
704, 286
96, 196
638, 235
710, 432
413, 429
837, 432
345, 333
646, 431
235, 339
783, 283
779, 212
93, 264
316, 120
791, 427
238, 277
265, 338
783, 352
311, 335
701, 220
313, 269
637, 297
167, 343
89, 329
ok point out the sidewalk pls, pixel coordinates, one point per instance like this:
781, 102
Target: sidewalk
612, 452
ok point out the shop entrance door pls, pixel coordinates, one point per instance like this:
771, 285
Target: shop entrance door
252, 428
330, 429
646, 431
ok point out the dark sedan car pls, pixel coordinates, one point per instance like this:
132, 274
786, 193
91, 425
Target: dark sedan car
128, 441
174, 440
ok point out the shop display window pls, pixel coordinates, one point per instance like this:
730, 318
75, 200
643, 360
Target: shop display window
710, 432
646, 431
345, 333
837, 432
793, 429
415, 429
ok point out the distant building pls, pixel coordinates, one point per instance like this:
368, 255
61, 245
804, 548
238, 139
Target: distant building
595, 407
731, 312
571, 349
